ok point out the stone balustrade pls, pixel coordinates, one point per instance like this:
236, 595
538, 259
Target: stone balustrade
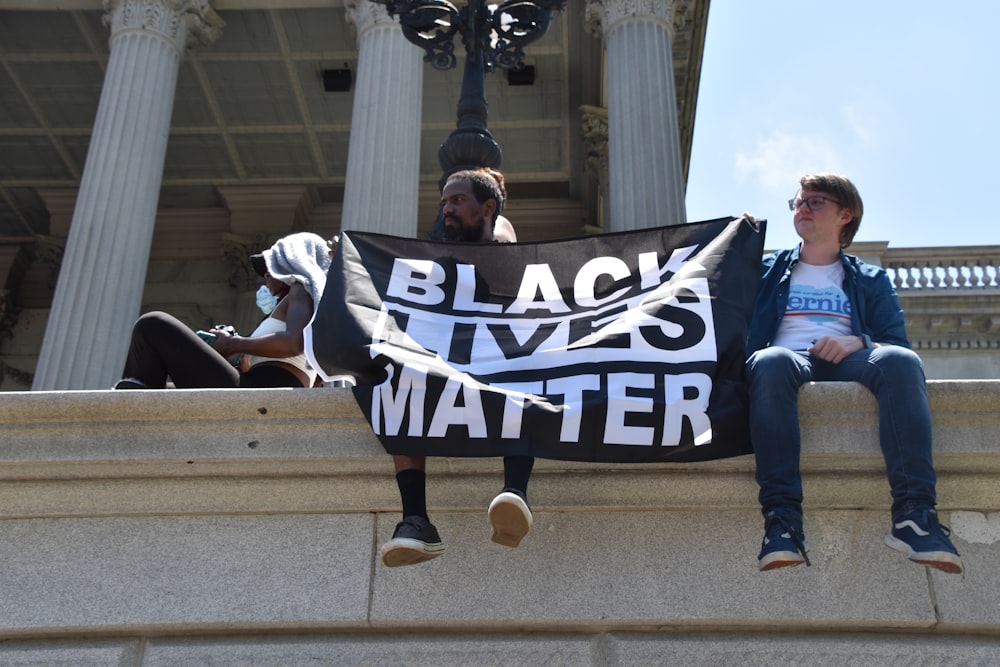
242, 527
975, 268
960, 268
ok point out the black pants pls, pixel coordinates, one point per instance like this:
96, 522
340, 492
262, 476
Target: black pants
163, 347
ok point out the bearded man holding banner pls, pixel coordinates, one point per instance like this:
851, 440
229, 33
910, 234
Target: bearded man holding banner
471, 201
624, 347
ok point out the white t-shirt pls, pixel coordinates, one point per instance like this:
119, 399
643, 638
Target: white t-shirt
817, 306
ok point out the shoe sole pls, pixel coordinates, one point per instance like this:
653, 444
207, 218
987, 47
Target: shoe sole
939, 560
779, 559
401, 551
511, 519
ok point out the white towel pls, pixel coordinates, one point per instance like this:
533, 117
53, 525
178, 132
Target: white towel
301, 258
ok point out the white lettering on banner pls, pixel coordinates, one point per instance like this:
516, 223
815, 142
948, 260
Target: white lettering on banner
411, 395
622, 402
694, 409
651, 273
449, 412
417, 280
465, 292
431, 324
571, 389
423, 282
515, 397
586, 280
672, 324
538, 278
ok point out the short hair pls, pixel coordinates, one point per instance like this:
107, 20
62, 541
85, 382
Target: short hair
485, 186
841, 189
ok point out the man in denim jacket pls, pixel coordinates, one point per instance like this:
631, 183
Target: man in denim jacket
821, 314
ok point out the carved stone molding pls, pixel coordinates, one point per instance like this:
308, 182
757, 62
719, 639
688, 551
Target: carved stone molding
594, 127
236, 249
265, 210
602, 15
49, 252
184, 23
14, 263
364, 14
22, 378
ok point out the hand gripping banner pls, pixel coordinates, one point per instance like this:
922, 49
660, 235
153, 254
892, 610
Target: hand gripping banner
623, 347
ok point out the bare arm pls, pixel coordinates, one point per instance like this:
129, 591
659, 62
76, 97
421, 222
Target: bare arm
503, 231
281, 345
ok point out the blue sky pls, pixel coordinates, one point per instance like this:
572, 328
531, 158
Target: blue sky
901, 96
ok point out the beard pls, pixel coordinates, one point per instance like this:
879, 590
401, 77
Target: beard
462, 234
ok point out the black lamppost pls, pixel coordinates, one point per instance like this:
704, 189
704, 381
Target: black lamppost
494, 35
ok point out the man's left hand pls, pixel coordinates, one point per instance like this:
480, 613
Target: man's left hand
835, 349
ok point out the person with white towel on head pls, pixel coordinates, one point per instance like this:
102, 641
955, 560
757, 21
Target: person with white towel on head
162, 347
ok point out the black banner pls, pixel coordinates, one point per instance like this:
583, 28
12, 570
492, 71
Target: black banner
624, 347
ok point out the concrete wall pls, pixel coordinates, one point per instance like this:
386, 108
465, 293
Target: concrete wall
242, 527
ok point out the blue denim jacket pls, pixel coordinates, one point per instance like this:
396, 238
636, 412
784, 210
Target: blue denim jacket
874, 305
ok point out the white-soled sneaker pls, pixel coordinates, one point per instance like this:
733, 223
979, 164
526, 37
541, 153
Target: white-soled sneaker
415, 540
510, 518
784, 544
923, 539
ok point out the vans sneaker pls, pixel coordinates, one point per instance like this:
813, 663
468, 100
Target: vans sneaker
784, 543
920, 536
415, 540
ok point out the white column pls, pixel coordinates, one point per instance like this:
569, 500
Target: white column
103, 273
646, 177
383, 159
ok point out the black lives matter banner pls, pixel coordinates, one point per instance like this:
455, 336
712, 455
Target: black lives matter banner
625, 347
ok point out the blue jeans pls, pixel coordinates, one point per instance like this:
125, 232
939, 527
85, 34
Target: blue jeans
894, 374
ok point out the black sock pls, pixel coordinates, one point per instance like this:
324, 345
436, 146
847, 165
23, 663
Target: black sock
516, 472
412, 485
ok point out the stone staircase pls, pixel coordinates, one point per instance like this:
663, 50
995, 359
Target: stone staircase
216, 527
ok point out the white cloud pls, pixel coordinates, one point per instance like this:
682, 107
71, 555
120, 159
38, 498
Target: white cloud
864, 124
782, 158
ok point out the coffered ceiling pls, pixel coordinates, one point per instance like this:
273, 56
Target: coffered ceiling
251, 109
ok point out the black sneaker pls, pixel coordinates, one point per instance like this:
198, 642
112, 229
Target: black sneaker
510, 518
415, 540
784, 543
920, 536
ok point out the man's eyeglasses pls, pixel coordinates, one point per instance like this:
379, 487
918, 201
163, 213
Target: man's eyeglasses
814, 203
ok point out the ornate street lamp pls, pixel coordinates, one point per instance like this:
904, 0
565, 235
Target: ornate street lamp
494, 36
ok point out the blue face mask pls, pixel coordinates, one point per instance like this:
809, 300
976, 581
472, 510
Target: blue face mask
265, 300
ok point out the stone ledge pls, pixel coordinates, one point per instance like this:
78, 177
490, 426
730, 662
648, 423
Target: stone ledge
283, 450
285, 424
535, 650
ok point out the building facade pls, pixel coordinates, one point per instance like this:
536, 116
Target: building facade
148, 146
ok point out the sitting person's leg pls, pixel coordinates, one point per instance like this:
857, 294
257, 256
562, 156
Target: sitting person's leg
415, 539
269, 375
163, 347
509, 513
895, 375
774, 375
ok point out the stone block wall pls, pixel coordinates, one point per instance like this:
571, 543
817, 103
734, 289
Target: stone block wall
242, 527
